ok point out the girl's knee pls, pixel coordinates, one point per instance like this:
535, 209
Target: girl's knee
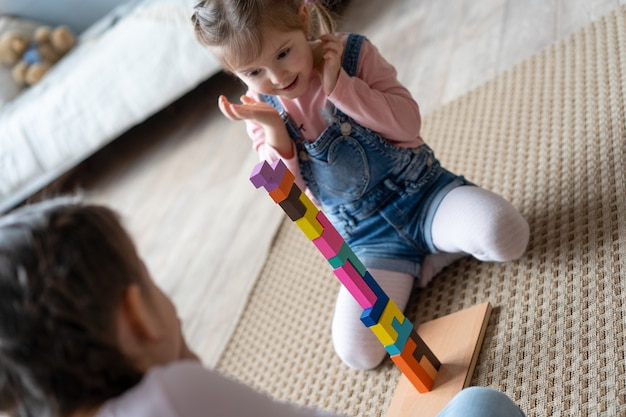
508, 238
355, 344
481, 223
500, 230
359, 357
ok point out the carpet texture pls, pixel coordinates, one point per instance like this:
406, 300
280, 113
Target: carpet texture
550, 136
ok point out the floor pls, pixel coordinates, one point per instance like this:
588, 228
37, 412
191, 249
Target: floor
180, 179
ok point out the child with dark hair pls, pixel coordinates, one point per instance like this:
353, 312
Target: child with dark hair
84, 331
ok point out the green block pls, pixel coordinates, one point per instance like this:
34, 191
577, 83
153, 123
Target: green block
346, 254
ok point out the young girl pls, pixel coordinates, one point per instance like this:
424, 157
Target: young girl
84, 331
332, 108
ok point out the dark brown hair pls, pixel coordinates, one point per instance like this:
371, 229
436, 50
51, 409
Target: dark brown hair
64, 267
236, 26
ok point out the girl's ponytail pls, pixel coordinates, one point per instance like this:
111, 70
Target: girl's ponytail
322, 20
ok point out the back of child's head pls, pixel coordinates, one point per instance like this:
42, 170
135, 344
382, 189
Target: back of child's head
64, 267
235, 27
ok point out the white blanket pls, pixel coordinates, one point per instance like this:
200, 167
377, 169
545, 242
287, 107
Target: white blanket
135, 61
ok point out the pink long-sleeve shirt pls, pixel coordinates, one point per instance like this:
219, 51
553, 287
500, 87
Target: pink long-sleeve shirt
374, 98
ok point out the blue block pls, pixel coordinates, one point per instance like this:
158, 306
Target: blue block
370, 316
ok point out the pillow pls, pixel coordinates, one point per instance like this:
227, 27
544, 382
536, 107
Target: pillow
8, 88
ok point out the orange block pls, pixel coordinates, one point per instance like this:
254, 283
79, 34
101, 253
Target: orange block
282, 192
428, 367
411, 368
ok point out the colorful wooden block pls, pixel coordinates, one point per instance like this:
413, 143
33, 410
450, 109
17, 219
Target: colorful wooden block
279, 169
381, 315
345, 254
456, 339
354, 283
428, 367
282, 191
384, 330
269, 176
292, 205
411, 368
308, 223
422, 349
330, 241
370, 316
261, 174
404, 330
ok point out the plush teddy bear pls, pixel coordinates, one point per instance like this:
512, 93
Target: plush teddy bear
12, 47
36, 56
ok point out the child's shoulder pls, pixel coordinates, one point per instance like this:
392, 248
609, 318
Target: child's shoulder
156, 394
344, 35
366, 43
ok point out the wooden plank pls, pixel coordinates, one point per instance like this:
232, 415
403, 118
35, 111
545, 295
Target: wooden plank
456, 340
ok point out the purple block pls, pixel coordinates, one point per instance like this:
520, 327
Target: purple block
279, 169
268, 176
261, 174
371, 315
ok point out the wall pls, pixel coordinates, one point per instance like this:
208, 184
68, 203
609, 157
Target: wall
77, 14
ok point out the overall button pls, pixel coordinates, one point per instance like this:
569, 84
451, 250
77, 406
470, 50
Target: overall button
346, 128
304, 156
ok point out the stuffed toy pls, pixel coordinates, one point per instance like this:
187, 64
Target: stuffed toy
12, 47
31, 59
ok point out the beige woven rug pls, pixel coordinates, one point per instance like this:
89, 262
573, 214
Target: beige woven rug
549, 135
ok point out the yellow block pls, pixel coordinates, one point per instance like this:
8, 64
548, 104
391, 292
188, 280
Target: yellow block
383, 330
308, 223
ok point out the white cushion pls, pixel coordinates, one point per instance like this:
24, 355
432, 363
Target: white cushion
117, 75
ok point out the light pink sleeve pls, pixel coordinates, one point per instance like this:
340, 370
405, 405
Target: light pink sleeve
269, 153
377, 100
194, 391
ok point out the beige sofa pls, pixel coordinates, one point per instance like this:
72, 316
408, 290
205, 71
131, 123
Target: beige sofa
128, 65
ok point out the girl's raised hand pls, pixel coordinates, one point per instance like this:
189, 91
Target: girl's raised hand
250, 109
264, 114
332, 51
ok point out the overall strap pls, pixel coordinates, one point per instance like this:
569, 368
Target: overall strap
351, 53
274, 101
292, 129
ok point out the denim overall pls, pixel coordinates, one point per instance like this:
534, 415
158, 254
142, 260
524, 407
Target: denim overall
380, 197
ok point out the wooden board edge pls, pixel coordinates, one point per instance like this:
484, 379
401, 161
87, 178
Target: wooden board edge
479, 344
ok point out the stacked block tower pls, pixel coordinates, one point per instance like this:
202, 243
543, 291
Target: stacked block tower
380, 314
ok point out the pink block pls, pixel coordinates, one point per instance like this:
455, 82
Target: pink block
356, 285
329, 243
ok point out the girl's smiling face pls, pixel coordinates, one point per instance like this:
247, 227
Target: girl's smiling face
284, 66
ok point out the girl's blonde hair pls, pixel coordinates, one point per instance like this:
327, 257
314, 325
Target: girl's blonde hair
233, 29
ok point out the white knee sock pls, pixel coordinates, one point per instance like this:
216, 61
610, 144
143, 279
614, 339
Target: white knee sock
479, 222
355, 344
